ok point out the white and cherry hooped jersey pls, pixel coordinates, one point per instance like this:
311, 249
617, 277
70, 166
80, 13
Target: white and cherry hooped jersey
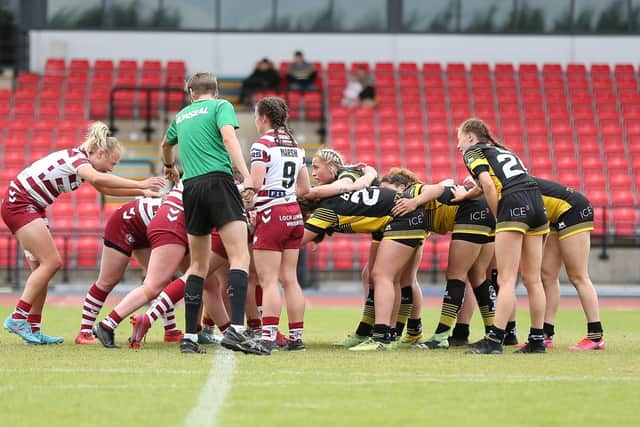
279, 222
168, 226
45, 179
126, 229
283, 161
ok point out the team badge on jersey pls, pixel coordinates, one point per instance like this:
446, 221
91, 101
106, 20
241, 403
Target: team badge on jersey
259, 155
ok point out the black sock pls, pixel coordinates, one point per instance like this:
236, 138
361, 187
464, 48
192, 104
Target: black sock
594, 331
382, 333
549, 330
237, 288
451, 303
496, 334
461, 331
414, 327
536, 335
511, 328
486, 298
192, 302
368, 316
406, 304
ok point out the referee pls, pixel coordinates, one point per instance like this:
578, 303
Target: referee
205, 134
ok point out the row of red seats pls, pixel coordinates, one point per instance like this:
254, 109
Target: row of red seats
480, 68
76, 252
59, 65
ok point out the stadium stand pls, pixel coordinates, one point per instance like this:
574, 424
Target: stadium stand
573, 124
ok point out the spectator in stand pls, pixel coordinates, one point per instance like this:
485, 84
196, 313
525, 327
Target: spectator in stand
360, 90
263, 77
301, 74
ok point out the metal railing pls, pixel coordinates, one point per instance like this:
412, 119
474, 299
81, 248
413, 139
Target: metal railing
163, 106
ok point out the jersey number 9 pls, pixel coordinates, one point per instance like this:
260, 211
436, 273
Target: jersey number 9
288, 174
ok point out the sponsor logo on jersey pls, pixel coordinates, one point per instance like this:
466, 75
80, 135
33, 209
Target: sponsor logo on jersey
586, 212
258, 154
519, 211
479, 215
191, 114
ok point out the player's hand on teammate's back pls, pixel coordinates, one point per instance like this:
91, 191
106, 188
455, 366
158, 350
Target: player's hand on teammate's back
403, 207
155, 183
458, 193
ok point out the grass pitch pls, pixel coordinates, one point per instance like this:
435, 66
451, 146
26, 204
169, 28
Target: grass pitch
70, 385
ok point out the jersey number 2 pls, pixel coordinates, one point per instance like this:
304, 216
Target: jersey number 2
512, 165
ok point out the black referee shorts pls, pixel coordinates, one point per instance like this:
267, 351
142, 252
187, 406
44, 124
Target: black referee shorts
210, 201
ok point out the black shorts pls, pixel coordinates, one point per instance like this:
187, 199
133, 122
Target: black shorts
578, 219
211, 201
408, 229
474, 222
522, 211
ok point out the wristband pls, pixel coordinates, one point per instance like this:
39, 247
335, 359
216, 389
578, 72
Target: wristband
168, 165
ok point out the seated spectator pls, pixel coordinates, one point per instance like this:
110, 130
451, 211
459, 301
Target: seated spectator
360, 91
301, 74
263, 77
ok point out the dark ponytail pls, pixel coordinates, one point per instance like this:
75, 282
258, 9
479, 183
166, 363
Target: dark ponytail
275, 109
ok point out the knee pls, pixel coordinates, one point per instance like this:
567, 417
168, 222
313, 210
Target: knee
152, 288
289, 282
376, 275
531, 278
52, 263
548, 277
578, 279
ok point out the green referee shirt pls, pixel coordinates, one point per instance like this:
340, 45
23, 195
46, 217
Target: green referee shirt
196, 128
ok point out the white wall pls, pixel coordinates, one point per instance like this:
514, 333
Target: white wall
233, 54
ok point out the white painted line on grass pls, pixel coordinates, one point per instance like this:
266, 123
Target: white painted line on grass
214, 391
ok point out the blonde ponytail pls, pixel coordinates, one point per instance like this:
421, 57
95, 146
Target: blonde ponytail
98, 138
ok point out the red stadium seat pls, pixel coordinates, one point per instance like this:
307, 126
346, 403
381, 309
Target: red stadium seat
87, 251
569, 179
622, 198
8, 248
600, 69
566, 163
407, 68
503, 68
576, 69
55, 66
624, 220
28, 80
617, 161
356, 65
383, 68
431, 68
619, 180
49, 112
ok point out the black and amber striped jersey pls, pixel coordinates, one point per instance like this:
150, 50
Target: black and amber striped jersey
362, 211
506, 169
558, 199
440, 214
